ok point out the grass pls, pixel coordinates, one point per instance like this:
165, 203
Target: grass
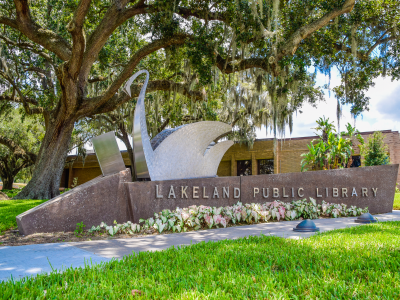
9, 209
360, 263
11, 193
396, 204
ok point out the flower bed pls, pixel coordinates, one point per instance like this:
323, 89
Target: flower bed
197, 217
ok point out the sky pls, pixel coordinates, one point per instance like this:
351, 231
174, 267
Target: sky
384, 110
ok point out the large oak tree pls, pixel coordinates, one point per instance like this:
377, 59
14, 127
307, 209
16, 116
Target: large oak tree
68, 60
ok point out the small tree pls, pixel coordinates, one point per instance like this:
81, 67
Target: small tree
376, 152
20, 140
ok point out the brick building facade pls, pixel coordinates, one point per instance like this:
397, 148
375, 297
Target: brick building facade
239, 160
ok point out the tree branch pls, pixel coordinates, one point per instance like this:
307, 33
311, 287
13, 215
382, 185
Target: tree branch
44, 37
134, 61
379, 42
227, 66
163, 125
21, 99
96, 79
289, 48
201, 14
114, 17
17, 150
45, 76
155, 85
117, 14
28, 46
291, 44
75, 27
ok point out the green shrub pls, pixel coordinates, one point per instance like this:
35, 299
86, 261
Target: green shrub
330, 150
376, 151
11, 193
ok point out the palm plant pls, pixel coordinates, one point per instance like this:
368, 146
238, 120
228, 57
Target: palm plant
330, 150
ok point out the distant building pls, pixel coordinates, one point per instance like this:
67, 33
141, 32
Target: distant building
239, 160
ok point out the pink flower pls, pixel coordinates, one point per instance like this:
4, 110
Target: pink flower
223, 222
217, 219
227, 219
282, 211
209, 220
185, 216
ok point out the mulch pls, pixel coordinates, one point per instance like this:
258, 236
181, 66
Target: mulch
12, 237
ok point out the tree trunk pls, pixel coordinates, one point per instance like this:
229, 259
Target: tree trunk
125, 139
50, 161
8, 171
8, 181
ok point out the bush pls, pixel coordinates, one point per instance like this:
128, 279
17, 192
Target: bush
201, 217
376, 151
330, 150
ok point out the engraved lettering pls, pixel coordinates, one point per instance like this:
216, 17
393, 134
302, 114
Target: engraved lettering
335, 192
374, 190
264, 192
195, 192
157, 194
298, 192
234, 193
283, 193
255, 191
171, 192
204, 193
364, 192
183, 191
292, 192
215, 193
225, 191
326, 190
318, 195
276, 192
344, 192
354, 192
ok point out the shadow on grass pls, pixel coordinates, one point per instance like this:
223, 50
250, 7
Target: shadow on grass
388, 227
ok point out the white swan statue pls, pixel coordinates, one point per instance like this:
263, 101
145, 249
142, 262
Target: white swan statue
181, 153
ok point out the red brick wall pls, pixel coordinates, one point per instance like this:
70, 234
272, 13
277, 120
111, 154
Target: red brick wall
287, 156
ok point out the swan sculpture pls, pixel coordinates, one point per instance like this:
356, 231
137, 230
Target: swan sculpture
180, 153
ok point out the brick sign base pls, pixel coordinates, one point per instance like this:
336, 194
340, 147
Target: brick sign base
115, 198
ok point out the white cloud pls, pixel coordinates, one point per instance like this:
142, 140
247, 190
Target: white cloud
383, 114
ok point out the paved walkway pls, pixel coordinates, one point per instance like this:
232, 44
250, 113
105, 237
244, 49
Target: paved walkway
28, 260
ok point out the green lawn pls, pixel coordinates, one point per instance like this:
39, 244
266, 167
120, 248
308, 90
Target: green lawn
396, 204
354, 263
9, 209
11, 193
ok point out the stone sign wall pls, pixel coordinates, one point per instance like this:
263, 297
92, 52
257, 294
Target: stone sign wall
102, 199
371, 187
149, 197
114, 197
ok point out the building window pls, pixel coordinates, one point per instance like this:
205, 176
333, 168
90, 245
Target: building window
356, 161
265, 166
244, 167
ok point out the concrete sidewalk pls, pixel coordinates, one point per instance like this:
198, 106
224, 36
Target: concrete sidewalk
28, 260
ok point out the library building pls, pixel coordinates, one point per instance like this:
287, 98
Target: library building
263, 158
